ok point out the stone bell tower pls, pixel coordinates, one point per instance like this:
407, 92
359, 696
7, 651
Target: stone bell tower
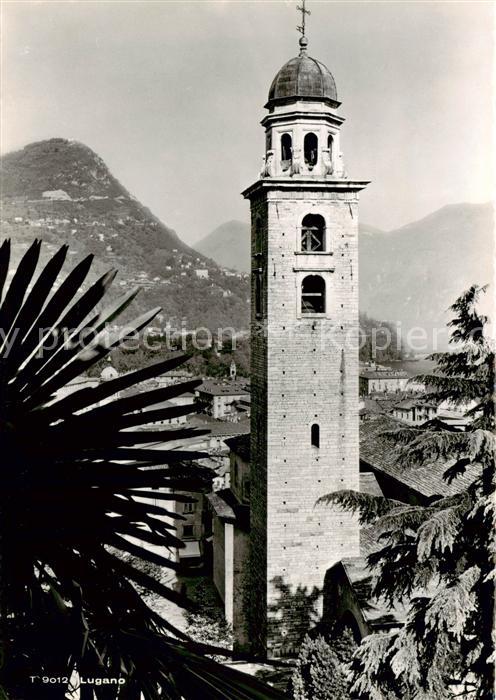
304, 344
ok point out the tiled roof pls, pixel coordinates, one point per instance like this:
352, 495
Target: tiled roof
428, 480
375, 611
220, 505
219, 428
227, 507
413, 403
214, 388
378, 404
303, 77
382, 374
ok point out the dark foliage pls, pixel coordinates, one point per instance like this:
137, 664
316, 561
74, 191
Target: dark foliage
318, 675
439, 559
73, 468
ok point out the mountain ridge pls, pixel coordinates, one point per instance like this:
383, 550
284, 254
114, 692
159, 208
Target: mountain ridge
228, 244
61, 191
411, 274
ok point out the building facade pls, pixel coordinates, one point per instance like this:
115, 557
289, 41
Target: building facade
382, 380
219, 399
304, 345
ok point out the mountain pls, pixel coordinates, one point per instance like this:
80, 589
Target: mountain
61, 191
414, 273
409, 275
228, 245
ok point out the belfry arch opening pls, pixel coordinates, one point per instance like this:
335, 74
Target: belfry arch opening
310, 149
286, 151
315, 435
313, 231
313, 295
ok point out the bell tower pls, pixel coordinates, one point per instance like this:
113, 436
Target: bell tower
304, 345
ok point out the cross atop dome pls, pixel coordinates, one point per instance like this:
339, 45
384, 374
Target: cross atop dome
303, 39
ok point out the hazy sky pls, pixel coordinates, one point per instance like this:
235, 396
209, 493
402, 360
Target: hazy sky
170, 95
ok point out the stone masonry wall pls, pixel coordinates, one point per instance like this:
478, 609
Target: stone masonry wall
304, 371
257, 573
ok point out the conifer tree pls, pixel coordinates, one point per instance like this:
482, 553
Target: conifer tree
438, 559
318, 674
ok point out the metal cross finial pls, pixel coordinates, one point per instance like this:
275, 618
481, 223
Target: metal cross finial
301, 8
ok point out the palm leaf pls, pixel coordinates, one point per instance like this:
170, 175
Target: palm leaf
79, 490
4, 264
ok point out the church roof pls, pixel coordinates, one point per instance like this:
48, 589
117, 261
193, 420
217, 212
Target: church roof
303, 77
225, 388
379, 455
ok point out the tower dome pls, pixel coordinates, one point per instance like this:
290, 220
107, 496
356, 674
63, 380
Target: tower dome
303, 78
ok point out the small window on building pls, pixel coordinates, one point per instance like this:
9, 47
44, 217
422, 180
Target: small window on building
313, 295
313, 231
189, 507
187, 530
286, 151
315, 435
310, 149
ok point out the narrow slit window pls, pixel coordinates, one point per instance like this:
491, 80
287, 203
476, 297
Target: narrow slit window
310, 149
315, 435
313, 295
286, 151
313, 231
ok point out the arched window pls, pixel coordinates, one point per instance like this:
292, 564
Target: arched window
310, 149
330, 144
286, 151
315, 435
313, 233
313, 295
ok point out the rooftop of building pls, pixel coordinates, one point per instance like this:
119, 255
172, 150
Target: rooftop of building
227, 507
377, 452
413, 402
303, 78
219, 428
225, 388
385, 373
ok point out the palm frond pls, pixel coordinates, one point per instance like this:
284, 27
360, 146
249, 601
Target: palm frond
82, 489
